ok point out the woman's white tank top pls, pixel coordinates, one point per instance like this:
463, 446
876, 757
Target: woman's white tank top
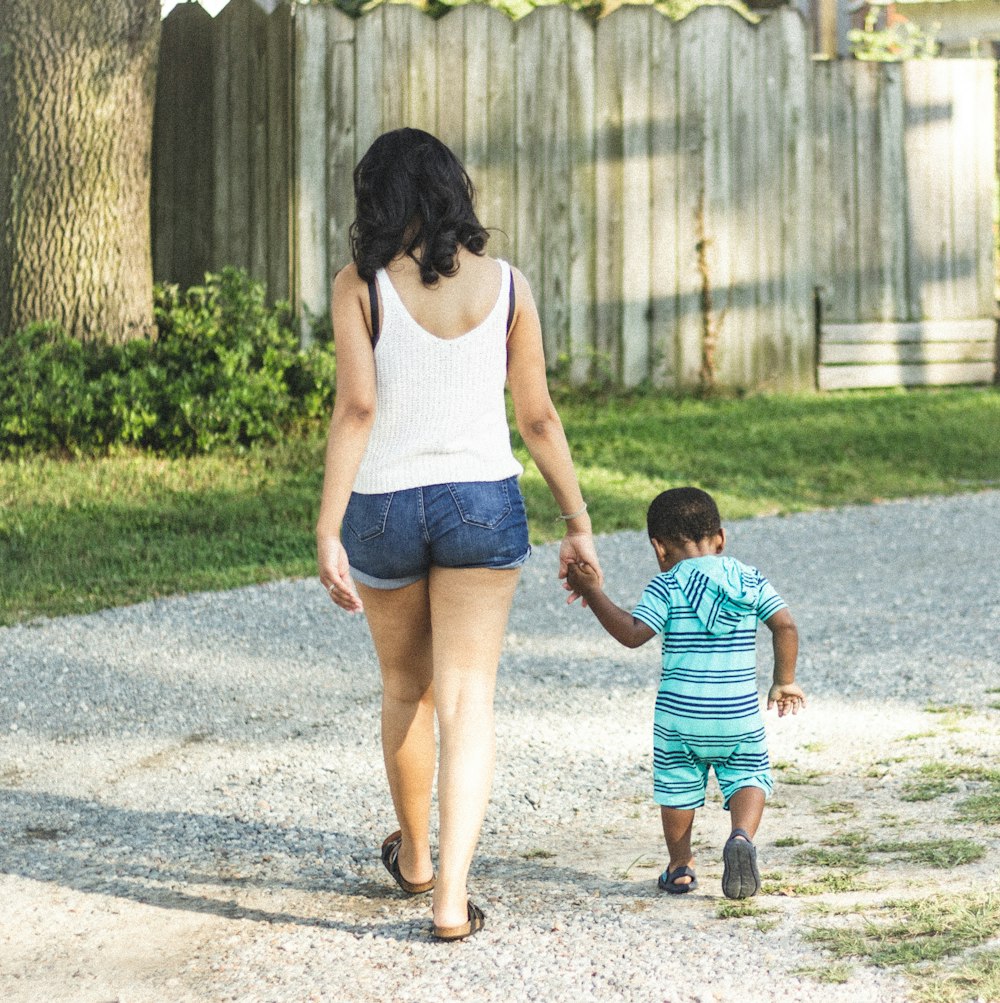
440, 415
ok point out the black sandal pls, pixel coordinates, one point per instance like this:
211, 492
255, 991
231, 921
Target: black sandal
476, 922
390, 857
740, 877
669, 884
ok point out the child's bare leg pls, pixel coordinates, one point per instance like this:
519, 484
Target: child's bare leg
746, 807
677, 823
740, 876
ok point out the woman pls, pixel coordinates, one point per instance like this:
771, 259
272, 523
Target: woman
422, 524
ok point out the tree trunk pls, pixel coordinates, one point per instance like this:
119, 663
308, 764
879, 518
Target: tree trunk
77, 82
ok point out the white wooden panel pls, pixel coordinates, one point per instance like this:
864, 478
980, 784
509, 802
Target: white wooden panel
930, 113
747, 201
450, 81
718, 203
530, 127
633, 66
421, 68
907, 352
888, 302
369, 60
944, 330
582, 249
692, 98
665, 171
943, 374
341, 154
609, 129
310, 166
798, 343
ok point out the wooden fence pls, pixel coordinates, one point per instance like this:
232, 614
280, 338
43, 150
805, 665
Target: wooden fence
675, 192
903, 234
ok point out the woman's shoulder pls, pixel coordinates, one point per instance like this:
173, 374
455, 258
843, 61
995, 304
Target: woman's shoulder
348, 284
348, 277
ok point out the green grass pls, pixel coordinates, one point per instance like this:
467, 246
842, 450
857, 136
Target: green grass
739, 909
914, 931
981, 808
917, 736
925, 790
837, 808
81, 535
854, 852
977, 979
957, 710
935, 779
829, 882
832, 974
538, 854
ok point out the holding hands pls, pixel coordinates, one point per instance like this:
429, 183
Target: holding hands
582, 580
579, 566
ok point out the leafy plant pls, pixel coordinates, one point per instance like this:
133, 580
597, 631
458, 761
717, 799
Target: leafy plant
225, 370
901, 39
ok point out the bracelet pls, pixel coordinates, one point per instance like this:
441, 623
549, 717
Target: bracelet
575, 514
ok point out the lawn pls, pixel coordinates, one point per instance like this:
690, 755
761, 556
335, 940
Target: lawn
80, 535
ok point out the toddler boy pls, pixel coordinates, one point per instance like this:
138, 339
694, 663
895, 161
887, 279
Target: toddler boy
706, 608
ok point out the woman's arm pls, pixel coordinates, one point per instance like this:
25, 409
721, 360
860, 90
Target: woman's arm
542, 431
350, 426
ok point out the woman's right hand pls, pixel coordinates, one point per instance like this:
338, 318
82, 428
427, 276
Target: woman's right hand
578, 548
335, 573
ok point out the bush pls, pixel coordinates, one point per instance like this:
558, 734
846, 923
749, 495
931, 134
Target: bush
225, 370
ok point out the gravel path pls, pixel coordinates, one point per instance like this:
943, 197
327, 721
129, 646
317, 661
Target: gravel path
193, 794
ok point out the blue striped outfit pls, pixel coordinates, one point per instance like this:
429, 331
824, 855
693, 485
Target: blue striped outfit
707, 710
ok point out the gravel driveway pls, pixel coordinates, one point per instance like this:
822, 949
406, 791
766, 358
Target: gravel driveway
193, 796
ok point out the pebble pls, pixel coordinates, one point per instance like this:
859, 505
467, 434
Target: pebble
223, 749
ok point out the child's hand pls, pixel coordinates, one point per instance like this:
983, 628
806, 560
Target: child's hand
582, 578
788, 697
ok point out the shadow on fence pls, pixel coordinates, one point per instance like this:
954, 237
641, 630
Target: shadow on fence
605, 156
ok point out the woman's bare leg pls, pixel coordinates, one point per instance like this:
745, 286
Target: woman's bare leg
469, 610
400, 624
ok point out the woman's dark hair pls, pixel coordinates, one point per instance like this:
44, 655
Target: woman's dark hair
411, 194
683, 514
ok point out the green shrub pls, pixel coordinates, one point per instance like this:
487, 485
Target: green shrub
225, 370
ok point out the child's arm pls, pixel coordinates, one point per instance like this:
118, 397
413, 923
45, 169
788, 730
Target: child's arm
785, 641
622, 626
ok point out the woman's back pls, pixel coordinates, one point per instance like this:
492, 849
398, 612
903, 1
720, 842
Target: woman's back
440, 367
456, 304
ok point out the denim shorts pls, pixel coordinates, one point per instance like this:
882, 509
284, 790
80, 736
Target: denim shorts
393, 539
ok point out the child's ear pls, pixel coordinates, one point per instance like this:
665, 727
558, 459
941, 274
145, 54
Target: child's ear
661, 551
721, 538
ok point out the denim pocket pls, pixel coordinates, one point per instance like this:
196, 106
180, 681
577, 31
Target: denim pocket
482, 503
366, 514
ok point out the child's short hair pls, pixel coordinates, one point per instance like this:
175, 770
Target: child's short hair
683, 514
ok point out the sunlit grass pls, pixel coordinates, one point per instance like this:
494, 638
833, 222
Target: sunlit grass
913, 931
977, 979
852, 851
80, 535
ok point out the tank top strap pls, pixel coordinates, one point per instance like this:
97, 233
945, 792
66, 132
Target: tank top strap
507, 287
388, 292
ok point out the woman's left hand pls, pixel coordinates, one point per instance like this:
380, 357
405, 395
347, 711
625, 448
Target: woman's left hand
335, 574
578, 548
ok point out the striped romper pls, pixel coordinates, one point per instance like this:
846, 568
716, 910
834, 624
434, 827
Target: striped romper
707, 709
